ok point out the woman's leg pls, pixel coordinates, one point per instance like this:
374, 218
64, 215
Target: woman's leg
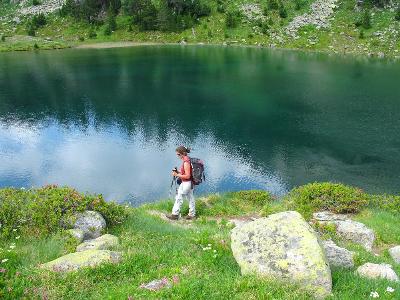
192, 204
178, 201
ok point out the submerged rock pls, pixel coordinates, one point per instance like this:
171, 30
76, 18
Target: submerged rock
91, 222
374, 271
101, 243
337, 256
395, 254
78, 260
283, 246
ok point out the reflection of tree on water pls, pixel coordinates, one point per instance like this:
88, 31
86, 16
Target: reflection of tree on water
302, 116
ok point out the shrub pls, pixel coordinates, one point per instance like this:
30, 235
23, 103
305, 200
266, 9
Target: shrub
92, 34
264, 28
397, 15
364, 20
35, 46
282, 11
30, 29
273, 4
337, 198
3, 38
42, 211
298, 4
387, 202
144, 13
361, 35
39, 20
35, 2
232, 18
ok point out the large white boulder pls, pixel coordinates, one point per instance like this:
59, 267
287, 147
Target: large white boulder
284, 247
337, 256
103, 242
374, 271
78, 260
395, 254
91, 223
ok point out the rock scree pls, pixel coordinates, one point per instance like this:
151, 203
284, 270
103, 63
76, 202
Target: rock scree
283, 246
91, 223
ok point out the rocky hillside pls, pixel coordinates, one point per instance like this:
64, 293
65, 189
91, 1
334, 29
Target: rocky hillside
340, 26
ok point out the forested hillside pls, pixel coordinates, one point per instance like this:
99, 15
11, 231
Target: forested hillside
370, 27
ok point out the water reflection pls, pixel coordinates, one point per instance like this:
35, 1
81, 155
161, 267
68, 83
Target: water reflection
134, 167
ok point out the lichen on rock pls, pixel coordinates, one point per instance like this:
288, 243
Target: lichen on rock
283, 246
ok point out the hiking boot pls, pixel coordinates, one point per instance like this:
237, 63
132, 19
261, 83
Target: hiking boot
190, 217
172, 217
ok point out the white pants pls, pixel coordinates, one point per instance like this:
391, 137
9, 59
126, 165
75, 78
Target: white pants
185, 189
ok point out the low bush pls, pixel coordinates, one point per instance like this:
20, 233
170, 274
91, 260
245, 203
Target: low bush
283, 12
397, 15
232, 18
386, 202
334, 197
42, 211
364, 20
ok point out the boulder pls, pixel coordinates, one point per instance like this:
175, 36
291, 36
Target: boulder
350, 230
91, 222
356, 232
337, 256
78, 260
101, 243
284, 247
395, 254
78, 234
374, 271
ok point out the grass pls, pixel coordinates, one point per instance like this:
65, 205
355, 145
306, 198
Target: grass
153, 248
342, 36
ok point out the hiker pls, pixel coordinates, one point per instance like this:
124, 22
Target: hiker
186, 186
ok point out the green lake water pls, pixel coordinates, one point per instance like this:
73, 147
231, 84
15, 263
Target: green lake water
107, 121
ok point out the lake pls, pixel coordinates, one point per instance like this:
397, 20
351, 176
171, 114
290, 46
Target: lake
108, 120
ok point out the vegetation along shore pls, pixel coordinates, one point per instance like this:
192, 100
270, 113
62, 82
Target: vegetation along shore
57, 243
366, 27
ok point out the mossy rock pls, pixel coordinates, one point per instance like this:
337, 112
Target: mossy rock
104, 242
78, 260
285, 247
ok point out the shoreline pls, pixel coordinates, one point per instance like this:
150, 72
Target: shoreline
128, 44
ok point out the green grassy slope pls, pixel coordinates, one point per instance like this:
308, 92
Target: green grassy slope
383, 38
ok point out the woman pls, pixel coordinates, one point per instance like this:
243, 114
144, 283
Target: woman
186, 187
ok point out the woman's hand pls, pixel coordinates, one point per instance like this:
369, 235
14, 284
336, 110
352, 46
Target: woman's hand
175, 174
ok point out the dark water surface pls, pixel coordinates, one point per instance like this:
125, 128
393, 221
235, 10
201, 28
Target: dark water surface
108, 121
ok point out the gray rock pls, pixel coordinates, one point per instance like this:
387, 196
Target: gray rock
395, 254
78, 234
104, 242
374, 271
356, 232
337, 256
91, 222
78, 260
283, 246
157, 284
353, 231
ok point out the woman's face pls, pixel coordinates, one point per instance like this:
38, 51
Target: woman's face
179, 155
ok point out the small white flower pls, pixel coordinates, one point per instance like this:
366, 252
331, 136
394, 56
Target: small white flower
209, 245
215, 251
374, 295
389, 289
17, 237
12, 246
4, 260
15, 229
8, 250
215, 255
